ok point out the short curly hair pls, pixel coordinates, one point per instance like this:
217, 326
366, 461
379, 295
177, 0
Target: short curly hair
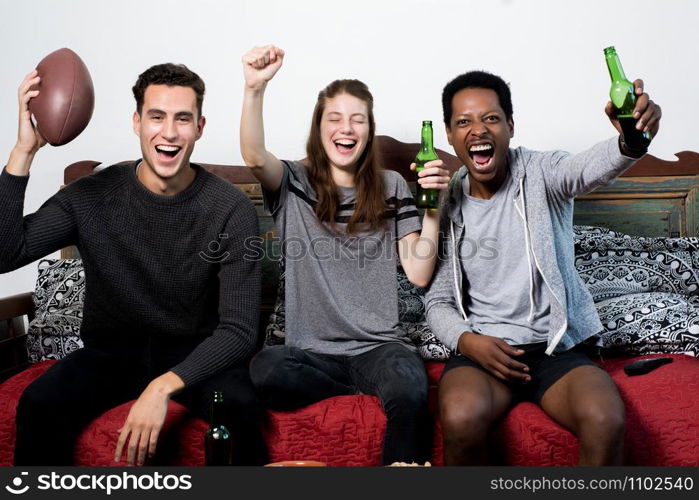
173, 75
480, 80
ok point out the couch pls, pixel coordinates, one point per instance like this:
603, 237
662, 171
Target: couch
646, 290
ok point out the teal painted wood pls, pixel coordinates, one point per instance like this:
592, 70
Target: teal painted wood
643, 206
651, 184
638, 217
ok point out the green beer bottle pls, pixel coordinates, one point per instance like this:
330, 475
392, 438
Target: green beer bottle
217, 440
624, 101
425, 198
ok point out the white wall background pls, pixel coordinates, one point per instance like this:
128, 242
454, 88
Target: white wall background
405, 50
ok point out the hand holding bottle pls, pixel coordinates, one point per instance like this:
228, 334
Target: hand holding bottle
630, 110
646, 112
433, 175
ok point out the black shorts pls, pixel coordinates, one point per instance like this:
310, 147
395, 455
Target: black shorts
545, 370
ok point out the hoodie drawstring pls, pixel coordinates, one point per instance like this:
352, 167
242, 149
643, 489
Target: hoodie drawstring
457, 273
527, 243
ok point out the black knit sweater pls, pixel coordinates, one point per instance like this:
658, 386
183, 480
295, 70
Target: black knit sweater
169, 268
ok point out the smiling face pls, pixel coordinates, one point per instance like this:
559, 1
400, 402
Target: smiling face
344, 130
168, 126
480, 134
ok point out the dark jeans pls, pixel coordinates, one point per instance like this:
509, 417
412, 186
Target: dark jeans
288, 378
57, 406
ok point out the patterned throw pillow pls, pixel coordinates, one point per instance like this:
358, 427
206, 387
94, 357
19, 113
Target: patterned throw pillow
612, 264
649, 323
274, 333
645, 290
411, 300
428, 346
59, 297
411, 314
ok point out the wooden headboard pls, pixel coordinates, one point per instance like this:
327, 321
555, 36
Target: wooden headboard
653, 198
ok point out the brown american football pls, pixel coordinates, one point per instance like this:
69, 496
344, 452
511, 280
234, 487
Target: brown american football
66, 97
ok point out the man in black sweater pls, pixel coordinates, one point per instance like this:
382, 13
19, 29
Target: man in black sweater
171, 301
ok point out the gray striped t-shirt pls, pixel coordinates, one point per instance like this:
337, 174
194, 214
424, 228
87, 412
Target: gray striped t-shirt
341, 291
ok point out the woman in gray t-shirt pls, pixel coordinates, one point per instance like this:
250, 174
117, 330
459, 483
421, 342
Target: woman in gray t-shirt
343, 222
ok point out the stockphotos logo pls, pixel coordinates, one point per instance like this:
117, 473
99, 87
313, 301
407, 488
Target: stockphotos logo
213, 253
16, 487
106, 483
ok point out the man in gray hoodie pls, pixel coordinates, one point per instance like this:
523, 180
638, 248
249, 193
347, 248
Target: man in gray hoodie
506, 297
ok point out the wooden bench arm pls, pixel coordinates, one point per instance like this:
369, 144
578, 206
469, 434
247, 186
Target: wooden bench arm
15, 306
13, 332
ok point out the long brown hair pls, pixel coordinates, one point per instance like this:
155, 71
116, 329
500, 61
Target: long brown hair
368, 182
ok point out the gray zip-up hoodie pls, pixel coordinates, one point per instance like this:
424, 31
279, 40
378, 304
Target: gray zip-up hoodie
547, 183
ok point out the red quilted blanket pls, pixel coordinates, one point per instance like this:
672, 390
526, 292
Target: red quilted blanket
661, 407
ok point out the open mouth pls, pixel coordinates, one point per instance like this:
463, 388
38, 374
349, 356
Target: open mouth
345, 145
167, 152
481, 155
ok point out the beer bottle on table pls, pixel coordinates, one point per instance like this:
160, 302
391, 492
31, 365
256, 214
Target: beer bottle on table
624, 101
217, 440
425, 198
